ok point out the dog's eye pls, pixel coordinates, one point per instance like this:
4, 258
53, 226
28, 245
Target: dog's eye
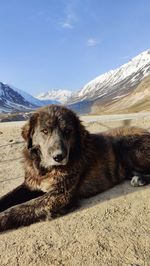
45, 131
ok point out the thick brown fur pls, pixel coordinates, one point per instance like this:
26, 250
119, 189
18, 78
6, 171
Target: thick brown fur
92, 163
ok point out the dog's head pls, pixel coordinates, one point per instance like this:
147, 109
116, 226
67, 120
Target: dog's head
53, 134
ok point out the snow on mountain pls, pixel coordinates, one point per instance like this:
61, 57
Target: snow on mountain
115, 83
61, 96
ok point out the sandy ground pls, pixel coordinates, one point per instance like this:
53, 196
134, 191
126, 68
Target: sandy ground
112, 228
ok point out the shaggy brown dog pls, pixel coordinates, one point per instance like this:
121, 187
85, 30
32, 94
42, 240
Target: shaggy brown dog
64, 162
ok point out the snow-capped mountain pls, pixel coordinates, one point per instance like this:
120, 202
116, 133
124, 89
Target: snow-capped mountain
13, 100
112, 85
61, 96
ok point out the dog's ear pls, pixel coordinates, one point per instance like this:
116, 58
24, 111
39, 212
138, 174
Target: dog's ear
83, 133
28, 129
25, 131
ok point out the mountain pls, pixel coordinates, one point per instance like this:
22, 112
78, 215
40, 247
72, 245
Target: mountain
112, 86
61, 96
14, 100
136, 101
27, 96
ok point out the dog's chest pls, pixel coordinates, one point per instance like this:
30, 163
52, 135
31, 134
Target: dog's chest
49, 182
46, 185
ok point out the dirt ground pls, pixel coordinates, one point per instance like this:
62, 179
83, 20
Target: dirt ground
112, 228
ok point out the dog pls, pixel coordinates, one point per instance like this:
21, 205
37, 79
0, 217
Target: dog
64, 163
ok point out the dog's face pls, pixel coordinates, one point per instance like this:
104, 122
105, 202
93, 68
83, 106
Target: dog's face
52, 134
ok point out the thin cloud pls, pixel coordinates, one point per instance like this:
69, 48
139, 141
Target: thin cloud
70, 16
67, 25
93, 42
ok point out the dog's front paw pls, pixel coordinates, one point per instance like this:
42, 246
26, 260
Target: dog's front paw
9, 219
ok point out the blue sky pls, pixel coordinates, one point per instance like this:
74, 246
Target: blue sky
63, 44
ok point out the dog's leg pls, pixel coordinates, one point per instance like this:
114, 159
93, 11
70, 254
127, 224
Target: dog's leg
42, 208
18, 195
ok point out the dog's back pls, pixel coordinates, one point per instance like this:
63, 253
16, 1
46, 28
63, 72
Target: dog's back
119, 154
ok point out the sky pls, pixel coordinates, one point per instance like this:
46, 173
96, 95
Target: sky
63, 44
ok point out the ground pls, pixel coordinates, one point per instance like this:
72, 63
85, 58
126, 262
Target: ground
109, 229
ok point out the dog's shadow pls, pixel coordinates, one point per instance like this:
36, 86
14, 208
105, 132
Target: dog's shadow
119, 191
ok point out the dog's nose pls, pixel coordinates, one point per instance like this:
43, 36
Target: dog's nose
59, 157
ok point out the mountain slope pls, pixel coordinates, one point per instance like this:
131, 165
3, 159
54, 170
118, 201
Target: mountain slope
137, 101
13, 100
113, 85
27, 96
